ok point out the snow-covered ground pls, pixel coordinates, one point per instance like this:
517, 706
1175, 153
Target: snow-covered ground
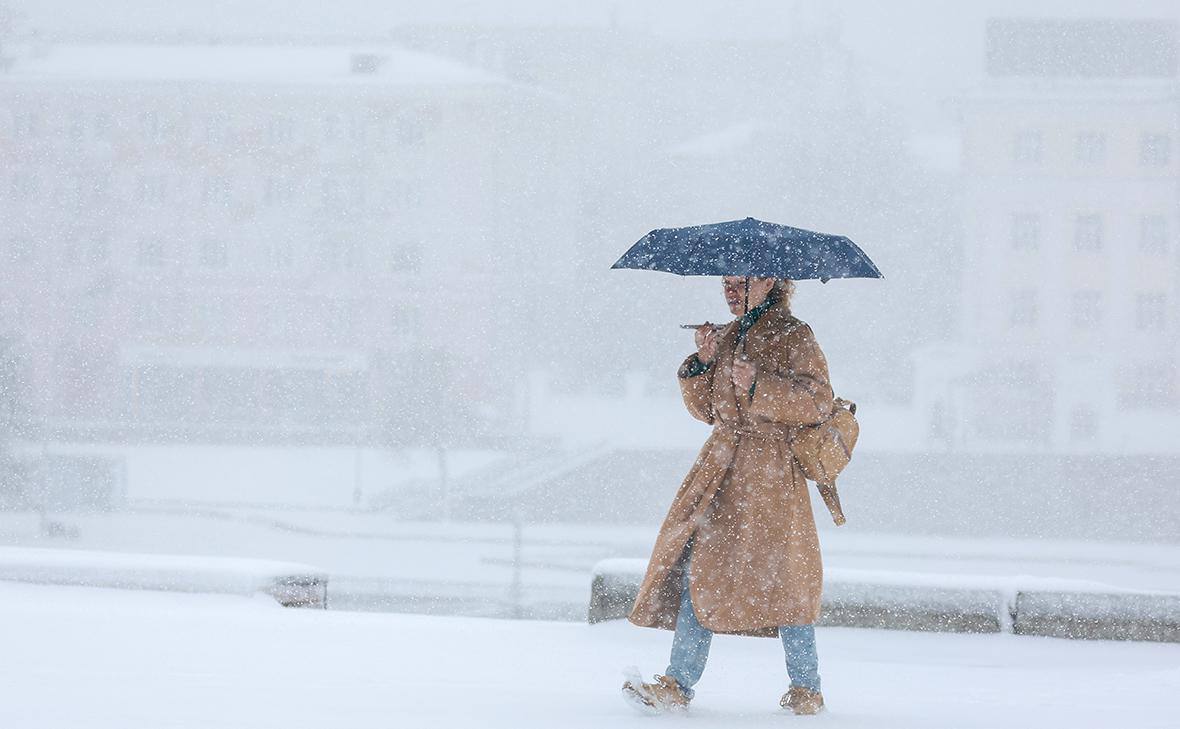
95, 658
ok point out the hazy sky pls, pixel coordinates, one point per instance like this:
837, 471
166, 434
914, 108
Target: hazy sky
920, 49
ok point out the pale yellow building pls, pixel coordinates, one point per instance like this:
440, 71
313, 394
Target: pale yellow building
1071, 278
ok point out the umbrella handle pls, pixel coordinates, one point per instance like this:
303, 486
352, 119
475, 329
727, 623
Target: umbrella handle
745, 311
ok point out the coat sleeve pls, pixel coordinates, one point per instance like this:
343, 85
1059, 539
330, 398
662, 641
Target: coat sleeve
800, 392
696, 386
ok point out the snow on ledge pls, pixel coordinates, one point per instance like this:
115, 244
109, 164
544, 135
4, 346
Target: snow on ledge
633, 568
897, 600
292, 584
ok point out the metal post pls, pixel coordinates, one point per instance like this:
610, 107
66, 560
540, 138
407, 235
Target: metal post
516, 590
444, 486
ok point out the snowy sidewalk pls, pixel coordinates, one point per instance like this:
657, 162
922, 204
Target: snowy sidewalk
108, 659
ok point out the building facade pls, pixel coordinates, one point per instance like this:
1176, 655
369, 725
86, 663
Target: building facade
263, 243
1071, 275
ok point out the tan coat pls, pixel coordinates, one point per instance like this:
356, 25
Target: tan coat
755, 557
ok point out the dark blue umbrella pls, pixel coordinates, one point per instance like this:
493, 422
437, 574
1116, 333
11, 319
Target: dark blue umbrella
749, 248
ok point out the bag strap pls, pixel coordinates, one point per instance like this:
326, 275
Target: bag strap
827, 492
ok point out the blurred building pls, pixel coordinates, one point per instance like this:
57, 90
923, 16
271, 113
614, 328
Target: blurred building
715, 128
268, 243
1071, 276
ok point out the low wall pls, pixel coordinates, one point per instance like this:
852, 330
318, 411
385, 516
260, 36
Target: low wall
1116, 616
291, 585
954, 604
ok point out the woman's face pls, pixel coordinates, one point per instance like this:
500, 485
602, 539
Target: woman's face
735, 292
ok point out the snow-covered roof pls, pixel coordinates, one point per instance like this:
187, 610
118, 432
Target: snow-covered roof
269, 64
941, 151
1053, 91
721, 142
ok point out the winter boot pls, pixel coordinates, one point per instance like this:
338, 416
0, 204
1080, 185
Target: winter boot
663, 695
802, 700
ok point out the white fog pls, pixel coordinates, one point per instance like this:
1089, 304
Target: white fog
321, 403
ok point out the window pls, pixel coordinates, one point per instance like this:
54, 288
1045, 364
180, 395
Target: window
1024, 308
358, 128
1026, 231
405, 257
215, 190
411, 130
940, 428
1153, 234
404, 322
1083, 424
1155, 149
216, 127
151, 126
209, 316
400, 193
1028, 147
86, 250
282, 130
1009, 401
1088, 232
336, 254
20, 250
1087, 309
100, 249
332, 127
77, 126
100, 184
279, 191
1150, 311
214, 253
102, 124
330, 192
357, 191
72, 190
1090, 148
1150, 386
282, 255
339, 320
285, 322
25, 125
153, 189
72, 256
23, 185
152, 315
150, 253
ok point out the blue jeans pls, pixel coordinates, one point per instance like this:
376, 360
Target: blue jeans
690, 646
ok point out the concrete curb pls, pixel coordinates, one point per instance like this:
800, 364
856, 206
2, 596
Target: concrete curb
1096, 616
950, 604
291, 585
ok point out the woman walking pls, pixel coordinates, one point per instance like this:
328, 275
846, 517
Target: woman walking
738, 552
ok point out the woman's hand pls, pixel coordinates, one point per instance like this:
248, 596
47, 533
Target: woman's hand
743, 374
706, 338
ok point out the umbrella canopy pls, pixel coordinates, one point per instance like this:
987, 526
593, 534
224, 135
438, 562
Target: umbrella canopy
749, 248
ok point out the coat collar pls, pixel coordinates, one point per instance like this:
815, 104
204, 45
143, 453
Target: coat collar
773, 308
751, 317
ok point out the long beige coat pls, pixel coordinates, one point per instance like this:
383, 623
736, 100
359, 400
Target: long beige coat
755, 557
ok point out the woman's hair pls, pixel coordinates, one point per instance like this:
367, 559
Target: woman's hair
784, 291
